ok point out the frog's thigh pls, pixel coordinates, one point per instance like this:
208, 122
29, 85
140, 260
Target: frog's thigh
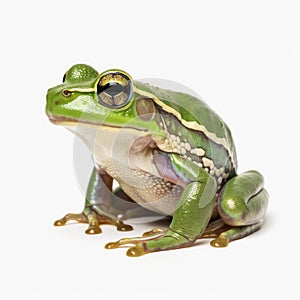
242, 204
243, 200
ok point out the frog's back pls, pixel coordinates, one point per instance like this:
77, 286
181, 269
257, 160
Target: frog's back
192, 121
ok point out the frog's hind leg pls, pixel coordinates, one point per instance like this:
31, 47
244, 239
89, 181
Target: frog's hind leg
242, 204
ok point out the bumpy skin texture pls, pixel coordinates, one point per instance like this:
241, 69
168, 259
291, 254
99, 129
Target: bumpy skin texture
169, 152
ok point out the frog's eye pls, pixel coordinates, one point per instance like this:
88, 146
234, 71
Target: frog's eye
114, 89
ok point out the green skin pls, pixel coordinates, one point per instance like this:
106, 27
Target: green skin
214, 201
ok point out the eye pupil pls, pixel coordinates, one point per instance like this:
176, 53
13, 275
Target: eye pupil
113, 88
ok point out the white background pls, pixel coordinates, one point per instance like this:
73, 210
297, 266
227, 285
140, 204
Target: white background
238, 55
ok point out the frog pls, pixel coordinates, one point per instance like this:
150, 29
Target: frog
168, 152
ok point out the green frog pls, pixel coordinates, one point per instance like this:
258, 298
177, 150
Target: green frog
168, 151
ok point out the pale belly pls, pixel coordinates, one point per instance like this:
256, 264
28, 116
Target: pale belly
151, 192
143, 184
126, 155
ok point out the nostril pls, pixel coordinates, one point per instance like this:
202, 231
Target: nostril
56, 102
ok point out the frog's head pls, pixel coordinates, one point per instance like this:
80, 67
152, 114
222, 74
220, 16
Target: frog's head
109, 98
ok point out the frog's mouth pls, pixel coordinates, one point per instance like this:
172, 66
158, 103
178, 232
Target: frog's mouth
63, 121
70, 122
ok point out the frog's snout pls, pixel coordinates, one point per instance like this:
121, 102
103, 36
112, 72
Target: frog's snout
53, 100
49, 101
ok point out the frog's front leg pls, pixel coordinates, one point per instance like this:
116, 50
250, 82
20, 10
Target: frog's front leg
191, 216
242, 204
98, 209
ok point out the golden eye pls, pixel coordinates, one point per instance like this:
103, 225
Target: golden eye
114, 90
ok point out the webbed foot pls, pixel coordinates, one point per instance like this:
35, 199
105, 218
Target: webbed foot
220, 242
223, 234
94, 217
151, 241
